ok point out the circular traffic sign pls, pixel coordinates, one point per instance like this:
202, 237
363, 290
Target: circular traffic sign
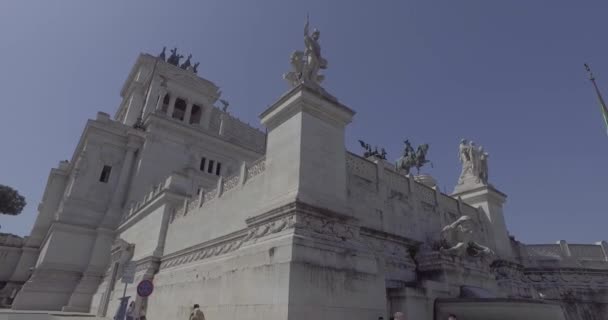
145, 288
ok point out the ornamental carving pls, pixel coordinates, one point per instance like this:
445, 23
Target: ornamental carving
326, 226
275, 226
256, 168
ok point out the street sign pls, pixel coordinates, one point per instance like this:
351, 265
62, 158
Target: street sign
145, 288
128, 273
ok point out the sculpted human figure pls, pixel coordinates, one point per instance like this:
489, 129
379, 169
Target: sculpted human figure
408, 150
297, 63
474, 162
174, 57
483, 166
458, 239
186, 63
312, 52
162, 54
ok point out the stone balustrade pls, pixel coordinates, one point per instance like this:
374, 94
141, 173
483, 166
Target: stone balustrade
397, 183
562, 251
224, 186
11, 240
148, 197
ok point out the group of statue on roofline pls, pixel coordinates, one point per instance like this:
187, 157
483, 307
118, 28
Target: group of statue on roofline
372, 153
473, 158
410, 159
174, 59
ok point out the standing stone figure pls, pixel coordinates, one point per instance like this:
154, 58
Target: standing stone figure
306, 64
474, 163
314, 60
162, 54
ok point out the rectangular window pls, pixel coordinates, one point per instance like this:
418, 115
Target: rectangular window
218, 169
210, 167
202, 166
105, 174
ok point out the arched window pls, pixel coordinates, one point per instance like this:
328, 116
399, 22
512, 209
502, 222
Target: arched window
180, 109
195, 115
165, 103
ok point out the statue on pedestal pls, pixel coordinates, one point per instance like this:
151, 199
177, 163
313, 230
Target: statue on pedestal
457, 239
306, 65
474, 162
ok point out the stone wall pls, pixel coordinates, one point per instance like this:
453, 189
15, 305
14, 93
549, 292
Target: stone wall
575, 275
10, 253
394, 203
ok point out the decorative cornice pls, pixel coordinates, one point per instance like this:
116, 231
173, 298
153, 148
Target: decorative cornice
299, 217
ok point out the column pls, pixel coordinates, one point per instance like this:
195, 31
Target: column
188, 112
206, 116
149, 99
161, 94
222, 124
604, 245
171, 106
114, 209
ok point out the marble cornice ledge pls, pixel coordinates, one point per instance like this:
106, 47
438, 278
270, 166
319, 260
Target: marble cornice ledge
300, 218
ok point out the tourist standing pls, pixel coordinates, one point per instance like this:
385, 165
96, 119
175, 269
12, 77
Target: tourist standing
197, 314
131, 311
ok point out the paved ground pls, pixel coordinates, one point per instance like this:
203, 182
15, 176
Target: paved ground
7, 314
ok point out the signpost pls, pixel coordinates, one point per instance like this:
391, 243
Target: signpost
128, 276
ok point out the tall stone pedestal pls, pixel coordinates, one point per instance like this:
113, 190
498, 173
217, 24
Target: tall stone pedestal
331, 274
306, 156
490, 201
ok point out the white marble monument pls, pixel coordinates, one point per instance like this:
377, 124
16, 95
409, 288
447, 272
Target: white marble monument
283, 225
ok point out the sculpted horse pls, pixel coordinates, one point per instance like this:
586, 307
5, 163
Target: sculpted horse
421, 156
411, 159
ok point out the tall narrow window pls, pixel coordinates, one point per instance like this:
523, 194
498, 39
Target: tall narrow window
195, 116
218, 168
165, 106
105, 174
210, 167
202, 166
180, 109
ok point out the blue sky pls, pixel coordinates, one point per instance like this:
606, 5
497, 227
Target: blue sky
506, 74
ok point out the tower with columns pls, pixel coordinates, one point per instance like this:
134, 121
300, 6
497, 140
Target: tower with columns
166, 124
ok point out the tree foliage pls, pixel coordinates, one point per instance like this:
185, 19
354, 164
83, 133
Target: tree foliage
11, 202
